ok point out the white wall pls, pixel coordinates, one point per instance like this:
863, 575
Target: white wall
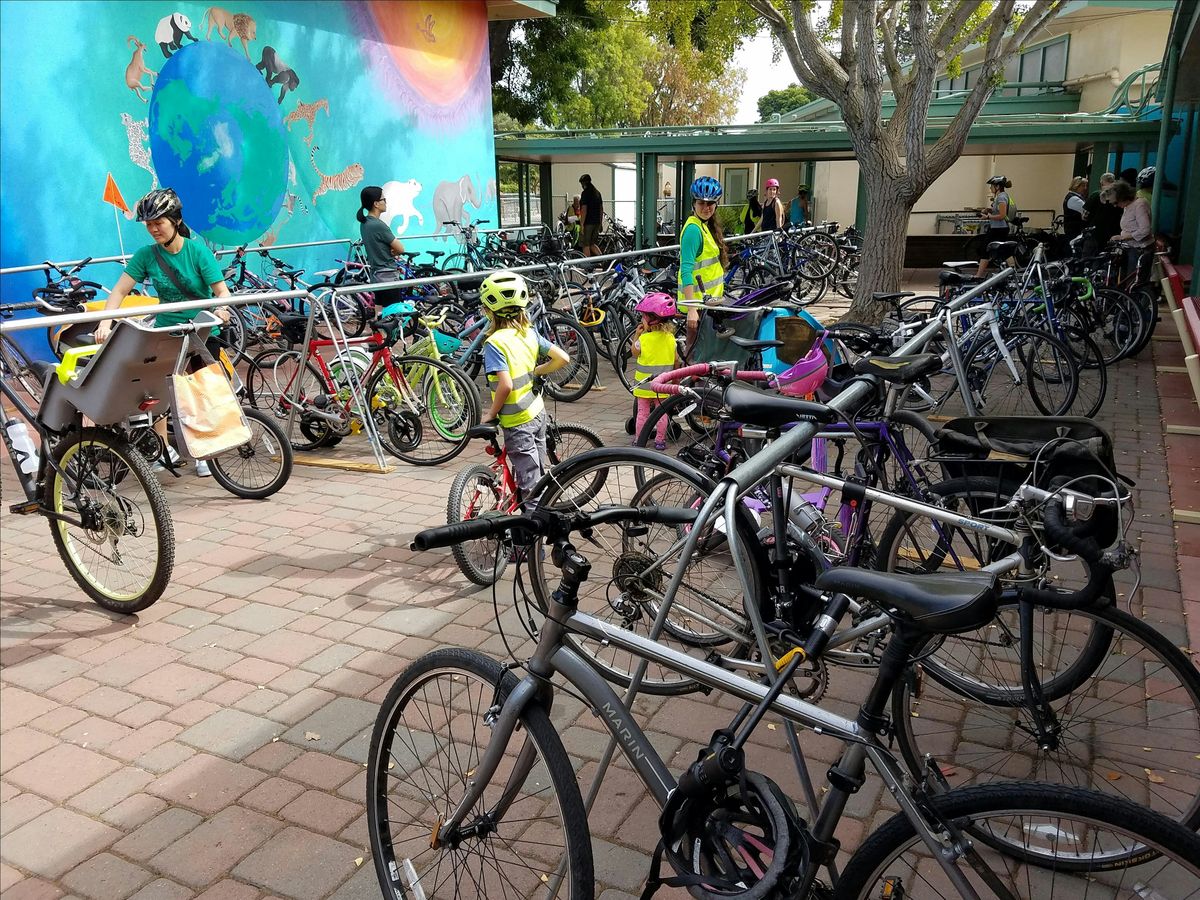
1125, 43
564, 180
835, 192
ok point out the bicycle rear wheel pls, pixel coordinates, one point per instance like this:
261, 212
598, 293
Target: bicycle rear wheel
1034, 374
423, 418
1036, 841
567, 440
116, 536
475, 493
575, 379
429, 738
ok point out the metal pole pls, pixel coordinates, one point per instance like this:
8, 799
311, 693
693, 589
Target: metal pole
1164, 137
126, 312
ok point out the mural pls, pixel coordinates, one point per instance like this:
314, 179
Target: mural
266, 118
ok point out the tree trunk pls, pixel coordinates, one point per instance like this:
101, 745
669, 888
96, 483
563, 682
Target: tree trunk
882, 263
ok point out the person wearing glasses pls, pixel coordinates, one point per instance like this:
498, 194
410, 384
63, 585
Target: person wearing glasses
703, 255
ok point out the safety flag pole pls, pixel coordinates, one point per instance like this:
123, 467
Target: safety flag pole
112, 194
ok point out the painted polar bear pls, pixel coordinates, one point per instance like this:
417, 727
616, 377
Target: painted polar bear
400, 196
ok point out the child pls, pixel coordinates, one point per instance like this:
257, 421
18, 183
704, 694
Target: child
511, 357
656, 352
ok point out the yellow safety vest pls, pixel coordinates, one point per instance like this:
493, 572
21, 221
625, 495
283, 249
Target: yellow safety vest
657, 357
708, 274
520, 350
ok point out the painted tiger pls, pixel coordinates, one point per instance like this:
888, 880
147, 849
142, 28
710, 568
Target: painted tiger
342, 181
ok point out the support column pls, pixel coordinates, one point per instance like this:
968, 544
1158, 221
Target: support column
649, 200
860, 203
1164, 136
545, 200
499, 204
1099, 165
683, 196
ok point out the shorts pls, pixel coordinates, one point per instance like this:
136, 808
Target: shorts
588, 235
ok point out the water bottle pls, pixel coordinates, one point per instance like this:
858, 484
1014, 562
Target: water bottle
26, 455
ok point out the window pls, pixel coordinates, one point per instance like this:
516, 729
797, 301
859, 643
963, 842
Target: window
736, 183
1047, 62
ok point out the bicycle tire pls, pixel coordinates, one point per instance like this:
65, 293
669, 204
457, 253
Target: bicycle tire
1093, 372
16, 364
821, 256
126, 471
232, 336
694, 445
1025, 346
472, 556
1146, 300
1097, 744
232, 468
1117, 325
642, 571
479, 683
573, 381
270, 393
972, 495
569, 440
405, 415
874, 867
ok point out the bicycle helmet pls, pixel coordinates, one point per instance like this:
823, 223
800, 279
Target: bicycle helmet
805, 375
504, 290
706, 188
658, 304
998, 180
1145, 178
772, 182
159, 204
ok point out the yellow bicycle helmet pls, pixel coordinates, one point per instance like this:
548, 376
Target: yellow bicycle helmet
504, 290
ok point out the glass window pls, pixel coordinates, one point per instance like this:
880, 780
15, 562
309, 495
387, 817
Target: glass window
1054, 61
736, 183
1012, 73
1031, 70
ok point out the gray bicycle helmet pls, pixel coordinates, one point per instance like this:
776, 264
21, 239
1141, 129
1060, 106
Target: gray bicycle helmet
1145, 178
159, 204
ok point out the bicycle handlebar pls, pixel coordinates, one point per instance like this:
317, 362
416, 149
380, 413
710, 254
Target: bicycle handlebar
540, 524
666, 382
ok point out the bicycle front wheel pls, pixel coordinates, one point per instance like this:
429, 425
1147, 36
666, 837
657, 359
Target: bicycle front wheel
1033, 841
1028, 373
475, 493
575, 379
259, 467
423, 417
529, 824
115, 533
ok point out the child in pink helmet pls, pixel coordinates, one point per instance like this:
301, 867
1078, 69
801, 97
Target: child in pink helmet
656, 352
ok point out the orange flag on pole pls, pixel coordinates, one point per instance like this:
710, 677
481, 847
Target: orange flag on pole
113, 195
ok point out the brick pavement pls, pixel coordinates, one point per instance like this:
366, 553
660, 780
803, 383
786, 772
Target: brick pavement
213, 745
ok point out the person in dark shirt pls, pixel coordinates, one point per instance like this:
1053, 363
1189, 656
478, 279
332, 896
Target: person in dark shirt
591, 216
380, 243
1100, 214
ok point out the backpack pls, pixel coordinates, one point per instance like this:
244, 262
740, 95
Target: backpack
1013, 210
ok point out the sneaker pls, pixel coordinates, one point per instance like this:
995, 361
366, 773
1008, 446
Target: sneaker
660, 445
202, 469
172, 455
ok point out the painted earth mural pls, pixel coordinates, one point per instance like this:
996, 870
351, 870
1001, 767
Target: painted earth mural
217, 137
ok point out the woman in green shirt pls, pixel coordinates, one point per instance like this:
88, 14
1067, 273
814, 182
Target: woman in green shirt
380, 243
194, 267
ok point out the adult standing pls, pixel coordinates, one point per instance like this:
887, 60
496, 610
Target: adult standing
591, 216
1072, 208
1135, 223
380, 244
772, 208
996, 219
1100, 212
1145, 183
798, 208
179, 267
752, 213
703, 255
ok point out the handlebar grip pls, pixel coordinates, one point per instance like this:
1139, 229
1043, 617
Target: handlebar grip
1099, 572
471, 530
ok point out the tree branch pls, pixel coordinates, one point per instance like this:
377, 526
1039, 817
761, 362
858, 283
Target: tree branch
952, 22
811, 61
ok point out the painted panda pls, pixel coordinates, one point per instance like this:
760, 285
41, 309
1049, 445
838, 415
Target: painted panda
171, 31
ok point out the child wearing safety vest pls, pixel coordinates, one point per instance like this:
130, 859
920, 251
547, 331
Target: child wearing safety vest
656, 352
513, 356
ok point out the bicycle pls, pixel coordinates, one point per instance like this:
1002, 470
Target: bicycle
108, 515
445, 777
416, 402
487, 490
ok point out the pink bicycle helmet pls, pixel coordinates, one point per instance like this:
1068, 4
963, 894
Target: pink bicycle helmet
772, 182
658, 304
806, 375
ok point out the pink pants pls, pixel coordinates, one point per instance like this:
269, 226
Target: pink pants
644, 407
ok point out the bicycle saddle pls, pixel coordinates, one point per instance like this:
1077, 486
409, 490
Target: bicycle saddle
954, 278
754, 346
1002, 248
436, 253
754, 407
487, 430
899, 369
938, 604
890, 296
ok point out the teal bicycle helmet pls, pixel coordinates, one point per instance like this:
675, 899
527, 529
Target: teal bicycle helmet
706, 188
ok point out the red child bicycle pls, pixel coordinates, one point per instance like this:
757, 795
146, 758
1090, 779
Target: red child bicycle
490, 490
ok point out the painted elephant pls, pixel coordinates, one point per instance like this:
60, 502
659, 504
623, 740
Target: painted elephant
450, 199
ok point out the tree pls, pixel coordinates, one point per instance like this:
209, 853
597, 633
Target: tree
849, 58
782, 101
686, 91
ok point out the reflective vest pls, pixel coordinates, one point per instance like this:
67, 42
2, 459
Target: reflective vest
520, 350
657, 358
708, 274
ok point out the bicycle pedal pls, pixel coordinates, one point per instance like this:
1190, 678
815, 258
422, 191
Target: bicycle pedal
28, 508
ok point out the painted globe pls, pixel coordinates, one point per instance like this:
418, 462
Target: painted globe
217, 138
